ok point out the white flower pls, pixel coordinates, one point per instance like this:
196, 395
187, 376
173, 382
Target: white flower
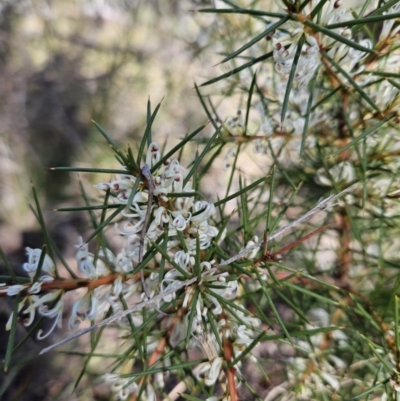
168, 283
132, 248
342, 173
39, 304
35, 287
388, 24
153, 154
123, 262
56, 313
179, 221
252, 254
331, 380
84, 308
209, 371
12, 290
85, 261
183, 259
183, 204
243, 335
217, 310
20, 306
122, 387
33, 263
102, 185
205, 210
130, 228
156, 227
230, 155
208, 345
150, 395
234, 125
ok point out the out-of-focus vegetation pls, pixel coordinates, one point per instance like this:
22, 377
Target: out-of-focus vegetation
64, 63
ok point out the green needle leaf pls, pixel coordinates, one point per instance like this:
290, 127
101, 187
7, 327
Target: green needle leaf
364, 134
308, 112
362, 93
90, 170
238, 193
317, 8
10, 270
147, 134
338, 37
258, 13
262, 35
105, 223
180, 145
228, 74
363, 21
291, 77
201, 156
13, 332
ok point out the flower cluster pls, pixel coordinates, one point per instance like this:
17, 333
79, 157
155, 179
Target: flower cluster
323, 108
186, 227
199, 295
338, 59
186, 223
41, 269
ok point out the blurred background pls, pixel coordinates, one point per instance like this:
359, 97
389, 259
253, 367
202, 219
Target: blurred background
62, 64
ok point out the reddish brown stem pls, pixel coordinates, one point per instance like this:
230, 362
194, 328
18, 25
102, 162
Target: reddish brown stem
160, 347
299, 241
231, 372
73, 284
343, 225
268, 256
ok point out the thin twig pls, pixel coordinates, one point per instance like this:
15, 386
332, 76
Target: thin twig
67, 284
345, 253
147, 175
299, 241
321, 206
128, 311
231, 372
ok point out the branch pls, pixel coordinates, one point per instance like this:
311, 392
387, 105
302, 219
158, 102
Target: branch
322, 205
128, 311
69, 284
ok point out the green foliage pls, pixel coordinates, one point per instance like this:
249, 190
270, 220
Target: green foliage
196, 297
